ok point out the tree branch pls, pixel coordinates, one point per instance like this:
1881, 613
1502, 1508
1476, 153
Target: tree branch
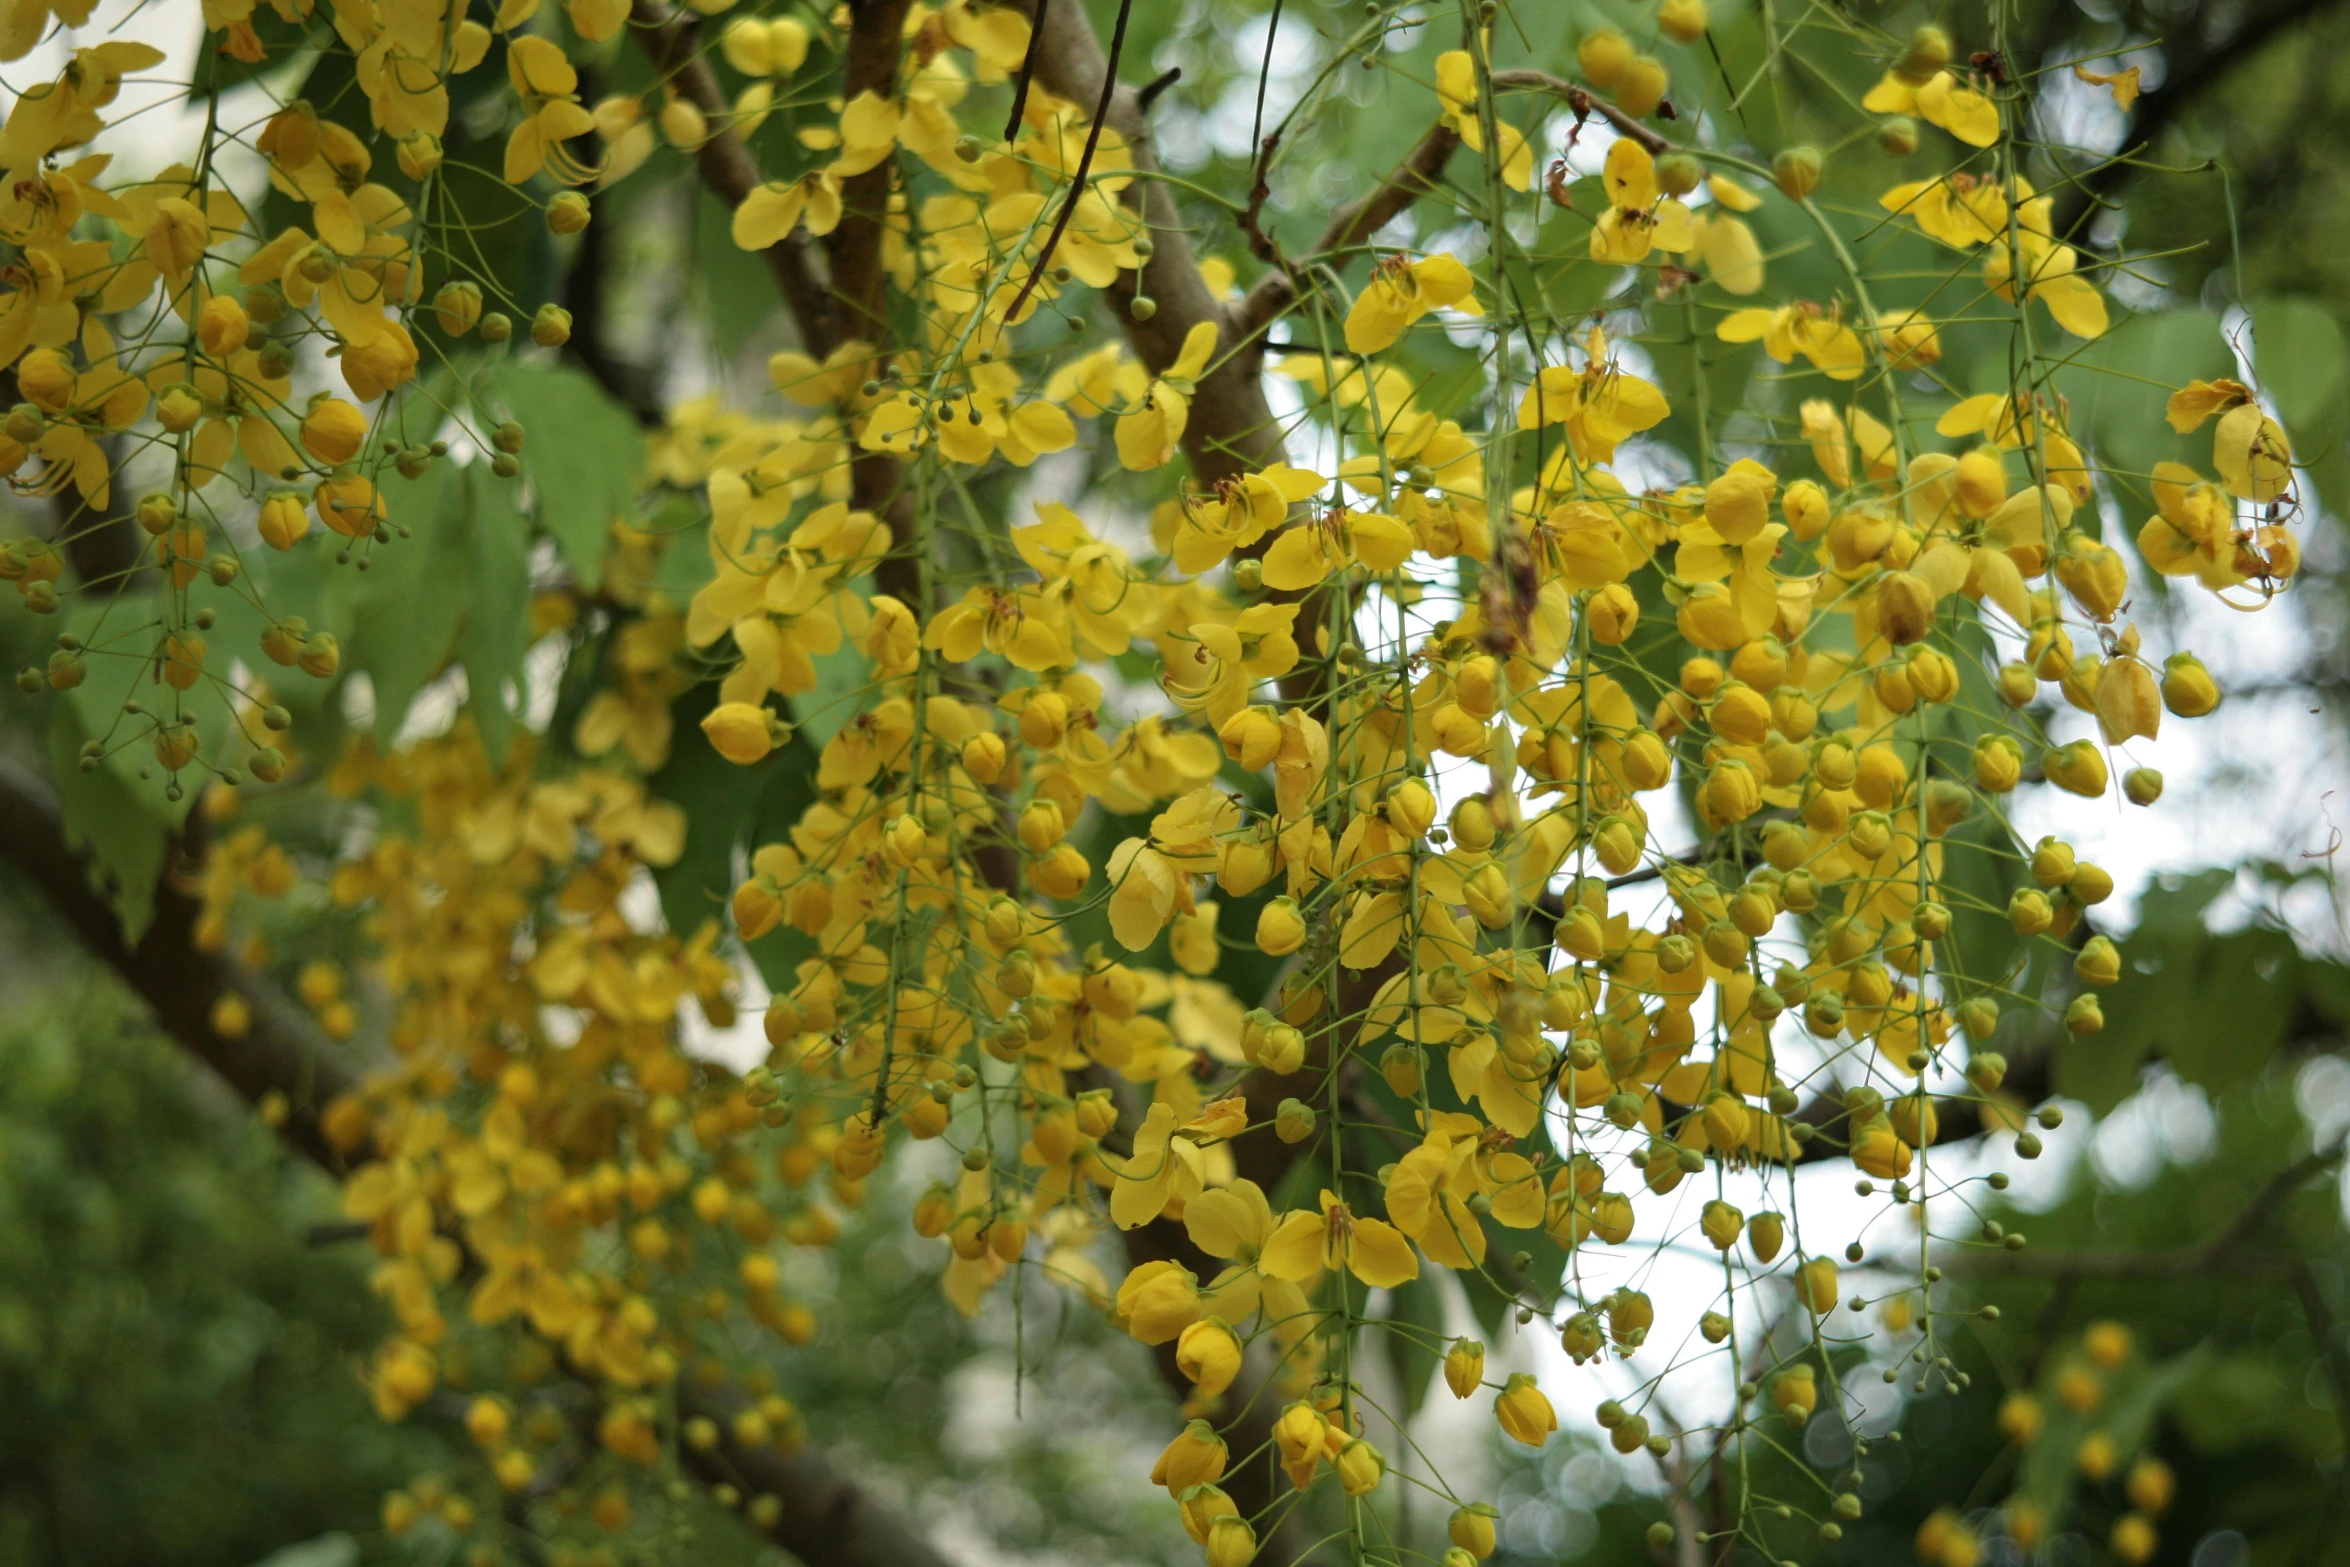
1273, 294
1231, 429
827, 1520
1583, 102
2221, 1246
670, 41
2190, 77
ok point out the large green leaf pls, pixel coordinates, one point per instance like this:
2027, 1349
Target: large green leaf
121, 831
406, 607
497, 619
582, 451
2297, 350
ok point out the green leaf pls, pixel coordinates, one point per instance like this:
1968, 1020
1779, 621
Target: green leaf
497, 621
116, 825
583, 453
406, 608
1415, 1344
2118, 386
2297, 352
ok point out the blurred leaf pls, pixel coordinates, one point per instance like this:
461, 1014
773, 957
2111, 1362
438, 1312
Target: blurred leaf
104, 818
1414, 1345
2118, 385
328, 1550
583, 452
2297, 351
497, 620
406, 608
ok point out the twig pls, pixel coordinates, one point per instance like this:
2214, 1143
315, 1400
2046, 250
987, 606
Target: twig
1276, 292
1027, 75
729, 171
2221, 1245
1581, 100
1093, 139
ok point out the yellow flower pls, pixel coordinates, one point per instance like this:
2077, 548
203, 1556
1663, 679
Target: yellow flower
1799, 330
1163, 1168
769, 213
1240, 512
1306, 1244
551, 113
1399, 293
1148, 432
2249, 449
2193, 531
1309, 552
1939, 100
1601, 405
2051, 273
1639, 216
1224, 662
1456, 96
2124, 83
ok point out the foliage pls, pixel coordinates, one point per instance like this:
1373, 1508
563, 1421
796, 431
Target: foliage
1449, 766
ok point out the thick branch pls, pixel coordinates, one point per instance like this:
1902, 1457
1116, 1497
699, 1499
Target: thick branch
1231, 429
669, 40
827, 1520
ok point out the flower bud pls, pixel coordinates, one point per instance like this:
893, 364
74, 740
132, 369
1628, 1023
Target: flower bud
2187, 687
420, 155
2078, 768
1524, 1412
1470, 1529
568, 213
1281, 929
1928, 53
1612, 613
1643, 87
1209, 1353
1796, 171
1284, 1050
1294, 1121
2142, 785
1897, 136
321, 655
741, 732
333, 430
1360, 1468
1464, 1367
2098, 962
1604, 56
456, 308
1231, 1542
551, 327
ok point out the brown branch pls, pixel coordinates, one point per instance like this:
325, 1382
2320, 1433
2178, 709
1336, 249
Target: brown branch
827, 1520
2223, 1244
670, 41
1274, 293
1583, 102
2187, 78
1231, 429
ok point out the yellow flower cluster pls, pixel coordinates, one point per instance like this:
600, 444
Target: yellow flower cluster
1461, 790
